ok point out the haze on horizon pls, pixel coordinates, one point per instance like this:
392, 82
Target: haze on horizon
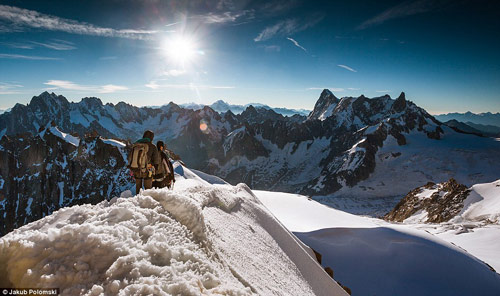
443, 54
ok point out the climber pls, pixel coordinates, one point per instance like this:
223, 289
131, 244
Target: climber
143, 161
165, 174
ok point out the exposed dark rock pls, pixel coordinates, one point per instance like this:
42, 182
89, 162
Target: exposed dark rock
329, 270
43, 173
441, 202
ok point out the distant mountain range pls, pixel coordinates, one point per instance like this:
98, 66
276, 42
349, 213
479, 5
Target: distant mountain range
475, 128
487, 118
352, 147
221, 107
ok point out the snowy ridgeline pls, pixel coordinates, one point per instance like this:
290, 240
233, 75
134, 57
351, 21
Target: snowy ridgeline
198, 239
375, 257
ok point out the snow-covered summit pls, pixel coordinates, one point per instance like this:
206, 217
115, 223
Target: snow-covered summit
198, 239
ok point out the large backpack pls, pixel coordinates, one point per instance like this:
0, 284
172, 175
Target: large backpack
138, 161
164, 168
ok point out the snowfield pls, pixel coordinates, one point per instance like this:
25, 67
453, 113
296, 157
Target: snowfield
198, 239
374, 257
468, 159
476, 228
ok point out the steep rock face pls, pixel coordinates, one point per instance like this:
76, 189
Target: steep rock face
45, 172
324, 106
434, 203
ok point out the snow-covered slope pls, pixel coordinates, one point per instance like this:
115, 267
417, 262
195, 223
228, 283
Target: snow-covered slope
373, 257
199, 239
483, 203
476, 224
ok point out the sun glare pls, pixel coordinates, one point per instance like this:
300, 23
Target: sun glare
181, 49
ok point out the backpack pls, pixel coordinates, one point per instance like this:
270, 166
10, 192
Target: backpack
139, 157
164, 169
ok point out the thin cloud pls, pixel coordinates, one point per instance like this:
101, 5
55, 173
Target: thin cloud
296, 43
7, 88
405, 9
56, 45
271, 48
25, 57
347, 68
19, 45
69, 85
330, 88
19, 18
383, 91
278, 7
154, 85
172, 24
353, 88
224, 17
286, 27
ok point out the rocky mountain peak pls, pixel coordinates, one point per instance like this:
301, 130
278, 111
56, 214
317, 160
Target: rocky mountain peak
431, 203
92, 102
400, 103
324, 106
49, 100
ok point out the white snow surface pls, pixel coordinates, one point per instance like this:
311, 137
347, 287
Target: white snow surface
198, 239
483, 203
468, 159
476, 228
114, 142
374, 257
67, 137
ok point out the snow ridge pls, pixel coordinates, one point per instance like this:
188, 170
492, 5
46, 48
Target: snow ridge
199, 239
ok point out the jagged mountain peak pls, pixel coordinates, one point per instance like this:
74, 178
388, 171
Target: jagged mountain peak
324, 106
48, 99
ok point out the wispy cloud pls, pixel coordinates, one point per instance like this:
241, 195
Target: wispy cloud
296, 43
18, 45
172, 24
19, 18
353, 88
347, 68
7, 88
107, 58
25, 57
405, 9
286, 27
224, 17
272, 48
385, 91
154, 85
271, 8
56, 44
330, 88
69, 85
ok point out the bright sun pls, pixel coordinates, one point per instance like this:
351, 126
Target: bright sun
181, 49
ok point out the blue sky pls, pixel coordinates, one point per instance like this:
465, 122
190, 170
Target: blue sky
444, 54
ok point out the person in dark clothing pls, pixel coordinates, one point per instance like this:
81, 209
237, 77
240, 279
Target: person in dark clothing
144, 161
165, 173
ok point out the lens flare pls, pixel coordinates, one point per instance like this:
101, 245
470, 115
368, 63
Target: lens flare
203, 126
